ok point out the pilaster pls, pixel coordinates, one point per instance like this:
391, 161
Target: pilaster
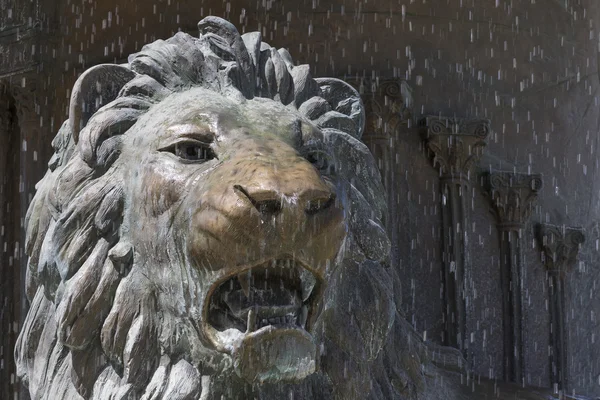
559, 246
456, 145
513, 197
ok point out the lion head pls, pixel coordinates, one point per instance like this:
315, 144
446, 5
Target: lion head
209, 227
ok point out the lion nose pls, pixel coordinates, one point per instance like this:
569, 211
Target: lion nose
265, 201
271, 202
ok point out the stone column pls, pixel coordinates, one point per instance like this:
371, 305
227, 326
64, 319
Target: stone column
559, 246
456, 146
513, 197
388, 104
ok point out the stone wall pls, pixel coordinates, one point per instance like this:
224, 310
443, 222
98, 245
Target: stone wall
529, 67
10, 238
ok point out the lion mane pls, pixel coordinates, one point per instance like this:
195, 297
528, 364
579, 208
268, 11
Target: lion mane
93, 332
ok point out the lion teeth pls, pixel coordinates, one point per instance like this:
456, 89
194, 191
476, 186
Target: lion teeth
251, 327
244, 279
303, 316
289, 319
308, 282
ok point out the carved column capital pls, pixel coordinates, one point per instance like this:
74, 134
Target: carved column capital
513, 197
388, 103
456, 144
559, 246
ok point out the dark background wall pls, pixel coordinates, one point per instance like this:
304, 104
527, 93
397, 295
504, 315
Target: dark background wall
530, 66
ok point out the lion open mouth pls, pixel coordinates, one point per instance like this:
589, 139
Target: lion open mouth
277, 293
263, 315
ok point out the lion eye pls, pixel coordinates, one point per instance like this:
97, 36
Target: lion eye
319, 159
192, 151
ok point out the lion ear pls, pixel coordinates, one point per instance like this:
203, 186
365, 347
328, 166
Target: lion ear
95, 88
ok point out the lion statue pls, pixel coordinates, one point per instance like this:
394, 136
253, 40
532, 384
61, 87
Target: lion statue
210, 227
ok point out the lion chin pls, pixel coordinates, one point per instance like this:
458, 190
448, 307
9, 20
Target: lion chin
210, 227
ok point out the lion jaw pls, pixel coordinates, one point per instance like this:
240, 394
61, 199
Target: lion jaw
263, 317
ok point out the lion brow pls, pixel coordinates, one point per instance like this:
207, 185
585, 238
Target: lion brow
192, 131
